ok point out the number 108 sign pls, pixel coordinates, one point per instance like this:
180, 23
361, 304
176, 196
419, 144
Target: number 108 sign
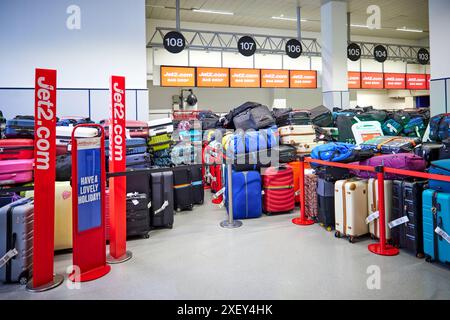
174, 42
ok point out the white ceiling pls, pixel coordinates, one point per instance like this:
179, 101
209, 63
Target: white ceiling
412, 14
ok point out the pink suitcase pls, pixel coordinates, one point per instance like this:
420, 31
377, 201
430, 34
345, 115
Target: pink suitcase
16, 171
137, 129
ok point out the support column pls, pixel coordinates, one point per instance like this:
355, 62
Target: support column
334, 54
439, 49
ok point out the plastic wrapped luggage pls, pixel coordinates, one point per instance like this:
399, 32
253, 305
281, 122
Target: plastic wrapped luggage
160, 126
389, 145
16, 149
162, 200
21, 127
373, 207
278, 185
64, 137
407, 202
295, 135
325, 204
197, 184
136, 129
255, 141
404, 161
440, 127
138, 217
247, 191
311, 196
16, 171
436, 226
63, 215
440, 167
183, 190
16, 243
351, 208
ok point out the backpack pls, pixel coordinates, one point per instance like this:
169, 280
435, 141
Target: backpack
440, 127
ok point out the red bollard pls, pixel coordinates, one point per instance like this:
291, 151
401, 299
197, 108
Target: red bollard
302, 220
382, 248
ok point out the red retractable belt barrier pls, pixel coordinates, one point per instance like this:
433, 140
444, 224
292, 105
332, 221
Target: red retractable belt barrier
380, 248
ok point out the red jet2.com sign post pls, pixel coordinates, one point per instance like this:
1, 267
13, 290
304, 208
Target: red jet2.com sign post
44, 182
117, 163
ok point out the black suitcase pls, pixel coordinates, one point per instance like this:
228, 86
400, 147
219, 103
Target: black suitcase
344, 124
430, 151
332, 174
407, 201
197, 184
139, 183
321, 116
138, 218
325, 203
444, 151
162, 200
294, 118
183, 190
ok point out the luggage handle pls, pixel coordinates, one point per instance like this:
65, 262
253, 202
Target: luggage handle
163, 207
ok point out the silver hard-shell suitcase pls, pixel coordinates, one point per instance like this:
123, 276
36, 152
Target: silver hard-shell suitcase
16, 238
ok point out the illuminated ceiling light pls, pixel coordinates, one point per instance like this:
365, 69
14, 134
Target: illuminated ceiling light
288, 19
359, 26
213, 12
404, 29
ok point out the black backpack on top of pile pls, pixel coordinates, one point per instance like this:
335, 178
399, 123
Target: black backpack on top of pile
321, 116
209, 120
250, 115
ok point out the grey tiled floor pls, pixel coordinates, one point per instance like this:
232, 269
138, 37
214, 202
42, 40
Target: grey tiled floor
267, 258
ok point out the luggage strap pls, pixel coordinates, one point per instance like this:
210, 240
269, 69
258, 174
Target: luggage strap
180, 186
219, 193
163, 207
385, 142
8, 256
278, 187
434, 210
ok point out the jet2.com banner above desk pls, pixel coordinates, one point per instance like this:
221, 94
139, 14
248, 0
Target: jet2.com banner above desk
206, 77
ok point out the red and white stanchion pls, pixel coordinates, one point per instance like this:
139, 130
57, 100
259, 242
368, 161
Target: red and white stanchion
382, 248
302, 220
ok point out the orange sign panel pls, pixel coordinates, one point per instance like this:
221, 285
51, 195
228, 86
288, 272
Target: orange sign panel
274, 78
416, 81
354, 80
303, 79
372, 80
213, 77
245, 78
177, 77
394, 81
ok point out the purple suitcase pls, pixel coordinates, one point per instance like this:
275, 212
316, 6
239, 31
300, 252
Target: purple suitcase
16, 171
405, 161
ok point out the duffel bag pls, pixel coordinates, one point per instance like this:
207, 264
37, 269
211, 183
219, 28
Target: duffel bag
374, 115
340, 152
405, 161
392, 128
321, 116
228, 121
262, 117
401, 117
440, 127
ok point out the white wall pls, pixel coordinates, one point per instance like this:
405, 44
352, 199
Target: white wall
111, 41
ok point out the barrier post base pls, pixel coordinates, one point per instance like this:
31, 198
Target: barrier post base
91, 275
231, 225
388, 250
303, 222
111, 260
57, 281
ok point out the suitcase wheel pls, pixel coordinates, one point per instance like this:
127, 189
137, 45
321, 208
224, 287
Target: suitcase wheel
420, 255
178, 209
329, 229
170, 226
428, 259
23, 279
337, 234
351, 239
146, 236
191, 208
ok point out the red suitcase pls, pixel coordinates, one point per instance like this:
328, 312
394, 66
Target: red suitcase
278, 185
16, 149
137, 129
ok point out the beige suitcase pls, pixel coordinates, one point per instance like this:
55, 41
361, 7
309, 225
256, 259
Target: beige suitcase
297, 135
351, 208
373, 206
304, 149
63, 215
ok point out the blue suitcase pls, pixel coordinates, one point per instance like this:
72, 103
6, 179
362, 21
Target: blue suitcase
22, 127
133, 146
436, 214
255, 141
236, 145
247, 194
440, 167
138, 161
